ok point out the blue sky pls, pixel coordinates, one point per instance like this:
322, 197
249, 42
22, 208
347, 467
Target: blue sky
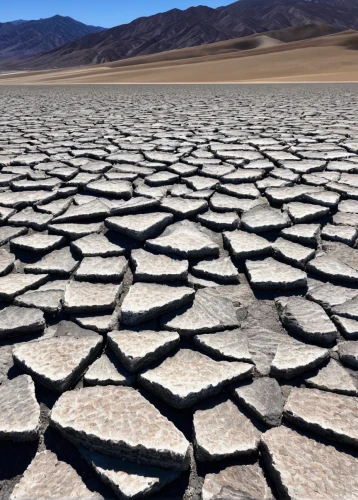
106, 13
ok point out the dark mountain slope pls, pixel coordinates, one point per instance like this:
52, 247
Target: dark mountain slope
18, 21
28, 38
271, 15
146, 35
178, 29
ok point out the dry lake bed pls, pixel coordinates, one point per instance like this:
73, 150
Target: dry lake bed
179, 292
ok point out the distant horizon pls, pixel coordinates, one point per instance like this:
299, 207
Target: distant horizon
107, 15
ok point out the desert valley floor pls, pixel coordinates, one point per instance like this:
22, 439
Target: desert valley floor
179, 292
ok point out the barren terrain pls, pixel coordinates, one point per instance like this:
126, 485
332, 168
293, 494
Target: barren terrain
260, 58
179, 287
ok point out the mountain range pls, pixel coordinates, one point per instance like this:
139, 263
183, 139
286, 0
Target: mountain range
18, 21
28, 38
175, 29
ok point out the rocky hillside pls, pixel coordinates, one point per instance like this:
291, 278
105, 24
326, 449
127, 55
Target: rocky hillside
29, 38
177, 29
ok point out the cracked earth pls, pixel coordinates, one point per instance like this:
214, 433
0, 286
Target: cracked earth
179, 292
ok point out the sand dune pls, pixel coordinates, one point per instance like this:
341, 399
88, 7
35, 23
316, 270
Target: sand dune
202, 51
259, 58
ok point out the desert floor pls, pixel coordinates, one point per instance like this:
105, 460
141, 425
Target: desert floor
178, 291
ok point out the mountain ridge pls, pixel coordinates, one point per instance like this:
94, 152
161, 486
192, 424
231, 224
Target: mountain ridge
18, 21
29, 38
195, 26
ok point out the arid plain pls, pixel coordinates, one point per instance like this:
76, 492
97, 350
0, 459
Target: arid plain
179, 290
